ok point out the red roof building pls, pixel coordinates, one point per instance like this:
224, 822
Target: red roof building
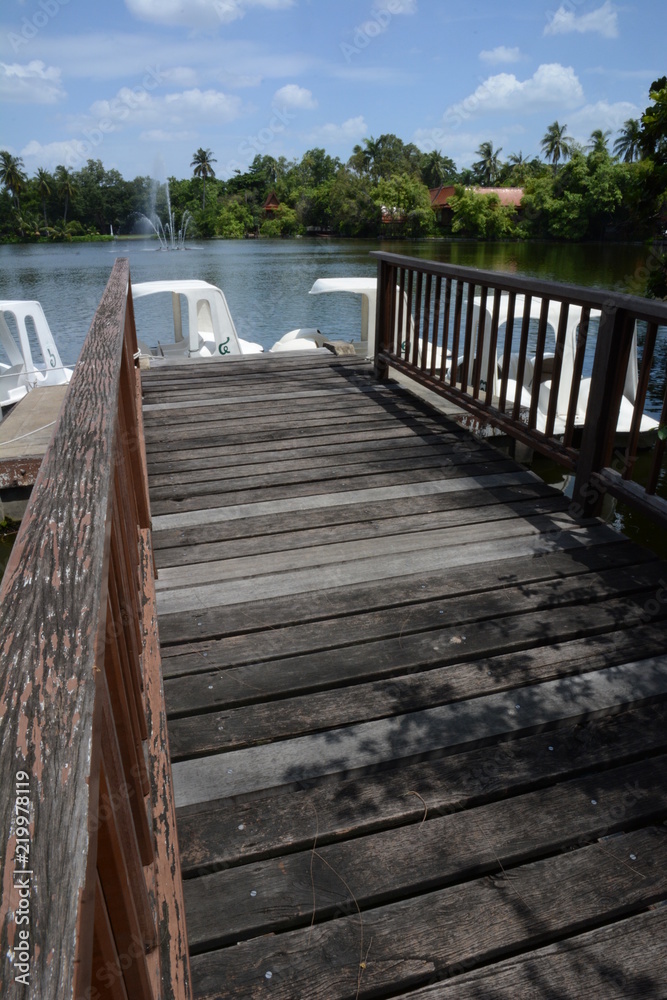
509, 196
271, 203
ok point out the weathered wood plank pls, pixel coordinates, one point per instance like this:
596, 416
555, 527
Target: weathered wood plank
404, 736
257, 477
265, 460
384, 434
213, 542
347, 630
470, 923
623, 960
229, 728
524, 539
395, 864
231, 832
353, 497
476, 580
343, 551
280, 407
412, 469
211, 498
283, 421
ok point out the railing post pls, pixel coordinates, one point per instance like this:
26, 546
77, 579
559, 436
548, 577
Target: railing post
612, 352
385, 301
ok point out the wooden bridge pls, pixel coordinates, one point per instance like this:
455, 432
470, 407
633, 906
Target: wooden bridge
391, 720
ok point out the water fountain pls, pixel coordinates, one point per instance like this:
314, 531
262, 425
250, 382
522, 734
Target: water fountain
169, 237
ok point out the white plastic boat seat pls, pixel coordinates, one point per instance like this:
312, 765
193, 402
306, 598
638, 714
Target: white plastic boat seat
209, 320
367, 289
301, 339
24, 313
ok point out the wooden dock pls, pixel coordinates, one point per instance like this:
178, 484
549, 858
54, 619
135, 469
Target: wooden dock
25, 434
416, 711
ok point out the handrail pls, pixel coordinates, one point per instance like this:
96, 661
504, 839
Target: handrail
91, 895
479, 339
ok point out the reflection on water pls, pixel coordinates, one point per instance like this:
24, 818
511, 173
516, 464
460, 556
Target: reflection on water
266, 283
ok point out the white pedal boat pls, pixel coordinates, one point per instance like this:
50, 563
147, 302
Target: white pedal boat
366, 288
208, 330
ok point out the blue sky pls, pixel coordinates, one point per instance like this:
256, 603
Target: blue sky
141, 84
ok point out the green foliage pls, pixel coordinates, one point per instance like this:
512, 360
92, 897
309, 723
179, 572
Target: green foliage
582, 201
481, 216
654, 123
353, 209
405, 199
380, 159
234, 221
284, 222
437, 169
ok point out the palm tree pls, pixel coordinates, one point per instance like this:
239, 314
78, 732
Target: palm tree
556, 143
66, 188
12, 175
488, 165
44, 181
202, 162
435, 168
364, 158
599, 141
628, 144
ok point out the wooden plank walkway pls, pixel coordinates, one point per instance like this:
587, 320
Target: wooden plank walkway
417, 713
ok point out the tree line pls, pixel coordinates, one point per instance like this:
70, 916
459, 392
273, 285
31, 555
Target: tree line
573, 191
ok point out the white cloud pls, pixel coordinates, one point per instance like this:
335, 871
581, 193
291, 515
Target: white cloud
603, 21
179, 76
50, 154
551, 86
501, 54
349, 131
199, 13
171, 111
600, 115
293, 96
208, 105
33, 83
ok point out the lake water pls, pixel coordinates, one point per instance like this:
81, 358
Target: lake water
266, 283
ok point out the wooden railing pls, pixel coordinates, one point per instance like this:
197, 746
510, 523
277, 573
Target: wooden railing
551, 365
91, 896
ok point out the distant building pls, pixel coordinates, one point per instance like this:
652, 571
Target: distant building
271, 204
441, 196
